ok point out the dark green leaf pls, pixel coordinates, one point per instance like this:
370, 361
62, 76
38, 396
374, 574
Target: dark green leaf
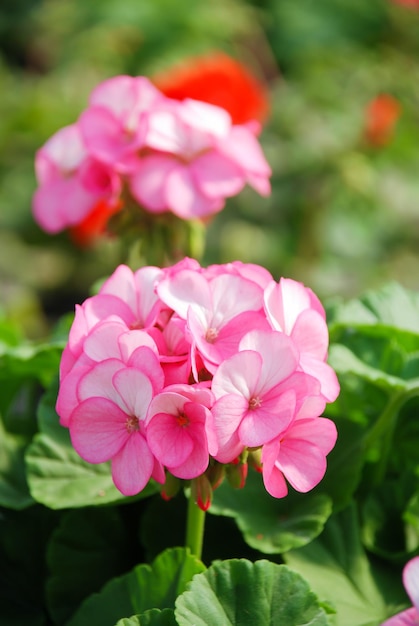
268, 524
338, 571
144, 588
241, 593
153, 617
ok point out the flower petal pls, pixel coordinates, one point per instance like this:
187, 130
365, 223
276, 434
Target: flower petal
98, 429
133, 465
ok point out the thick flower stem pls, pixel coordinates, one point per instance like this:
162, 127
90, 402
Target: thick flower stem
195, 527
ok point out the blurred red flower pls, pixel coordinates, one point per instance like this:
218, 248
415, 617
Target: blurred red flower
94, 225
217, 79
412, 4
382, 114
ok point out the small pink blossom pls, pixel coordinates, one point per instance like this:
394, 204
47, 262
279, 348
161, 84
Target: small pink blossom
71, 181
114, 125
409, 617
254, 403
218, 312
179, 429
108, 339
299, 455
296, 311
108, 423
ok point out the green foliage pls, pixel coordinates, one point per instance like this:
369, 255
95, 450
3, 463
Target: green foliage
338, 570
268, 525
241, 593
144, 588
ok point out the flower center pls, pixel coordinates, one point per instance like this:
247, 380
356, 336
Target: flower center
254, 403
211, 335
132, 424
137, 325
182, 420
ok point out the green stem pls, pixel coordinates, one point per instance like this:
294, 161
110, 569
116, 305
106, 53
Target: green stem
195, 527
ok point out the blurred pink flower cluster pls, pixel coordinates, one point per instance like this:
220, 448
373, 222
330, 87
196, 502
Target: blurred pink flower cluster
185, 156
178, 370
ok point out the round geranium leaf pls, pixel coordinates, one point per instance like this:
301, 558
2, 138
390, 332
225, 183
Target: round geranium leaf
241, 593
153, 617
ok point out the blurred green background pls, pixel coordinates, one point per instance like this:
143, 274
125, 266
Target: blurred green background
343, 215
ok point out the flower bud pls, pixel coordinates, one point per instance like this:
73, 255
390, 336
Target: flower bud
236, 473
215, 473
202, 492
170, 487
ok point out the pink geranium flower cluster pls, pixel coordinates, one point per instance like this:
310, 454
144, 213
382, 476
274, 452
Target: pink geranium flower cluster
185, 156
183, 369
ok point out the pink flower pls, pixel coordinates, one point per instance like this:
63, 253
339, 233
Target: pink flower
71, 182
198, 159
129, 390
179, 429
299, 455
108, 423
127, 301
218, 312
409, 617
108, 339
296, 311
254, 402
115, 124
128, 295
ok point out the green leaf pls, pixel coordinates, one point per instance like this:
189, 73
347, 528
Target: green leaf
391, 307
29, 360
95, 544
144, 588
153, 617
272, 525
57, 476
241, 593
14, 492
344, 361
338, 571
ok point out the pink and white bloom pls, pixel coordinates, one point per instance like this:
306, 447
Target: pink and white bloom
295, 310
254, 402
180, 431
108, 339
128, 295
71, 181
109, 421
129, 389
197, 160
114, 125
218, 312
409, 617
